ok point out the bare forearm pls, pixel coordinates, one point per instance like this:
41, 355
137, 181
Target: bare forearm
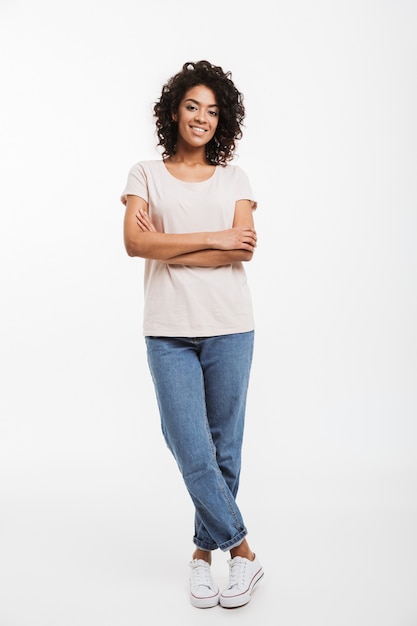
163, 246
142, 239
210, 258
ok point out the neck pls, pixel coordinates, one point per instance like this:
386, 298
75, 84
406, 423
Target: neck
189, 157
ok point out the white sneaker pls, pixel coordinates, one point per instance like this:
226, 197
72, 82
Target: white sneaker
243, 576
204, 591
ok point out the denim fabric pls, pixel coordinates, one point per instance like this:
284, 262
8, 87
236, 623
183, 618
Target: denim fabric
201, 387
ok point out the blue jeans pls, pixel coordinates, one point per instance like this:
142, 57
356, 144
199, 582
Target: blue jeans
201, 387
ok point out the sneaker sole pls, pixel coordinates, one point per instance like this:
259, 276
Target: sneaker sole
205, 603
232, 602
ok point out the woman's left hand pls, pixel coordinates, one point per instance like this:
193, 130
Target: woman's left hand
144, 221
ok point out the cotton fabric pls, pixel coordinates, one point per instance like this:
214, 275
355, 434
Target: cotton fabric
185, 301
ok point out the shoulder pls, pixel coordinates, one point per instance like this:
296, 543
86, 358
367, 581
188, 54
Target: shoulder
230, 171
146, 166
139, 180
236, 178
233, 174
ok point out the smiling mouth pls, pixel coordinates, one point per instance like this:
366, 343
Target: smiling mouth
198, 129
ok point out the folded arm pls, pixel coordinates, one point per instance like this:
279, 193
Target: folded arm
208, 249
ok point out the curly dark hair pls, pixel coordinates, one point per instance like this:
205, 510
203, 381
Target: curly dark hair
231, 110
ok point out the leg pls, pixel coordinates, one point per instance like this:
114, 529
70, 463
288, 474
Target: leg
178, 377
226, 361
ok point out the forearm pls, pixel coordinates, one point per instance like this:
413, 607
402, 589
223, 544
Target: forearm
142, 239
210, 258
163, 246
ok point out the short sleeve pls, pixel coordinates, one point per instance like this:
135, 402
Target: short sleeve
244, 189
136, 184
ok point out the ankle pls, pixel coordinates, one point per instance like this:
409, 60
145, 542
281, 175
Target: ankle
204, 555
244, 555
243, 550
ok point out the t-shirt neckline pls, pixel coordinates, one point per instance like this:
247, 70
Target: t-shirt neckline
189, 182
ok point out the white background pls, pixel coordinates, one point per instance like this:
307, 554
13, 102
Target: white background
95, 523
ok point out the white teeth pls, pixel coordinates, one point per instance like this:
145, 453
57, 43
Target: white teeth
199, 130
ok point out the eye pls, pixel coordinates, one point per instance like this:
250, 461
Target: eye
191, 107
213, 113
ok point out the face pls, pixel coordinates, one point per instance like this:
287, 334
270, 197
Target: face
197, 116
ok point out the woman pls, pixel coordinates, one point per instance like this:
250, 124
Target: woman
189, 215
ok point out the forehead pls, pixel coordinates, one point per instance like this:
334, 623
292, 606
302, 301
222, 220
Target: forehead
201, 94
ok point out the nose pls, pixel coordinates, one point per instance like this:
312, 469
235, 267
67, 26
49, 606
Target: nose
201, 116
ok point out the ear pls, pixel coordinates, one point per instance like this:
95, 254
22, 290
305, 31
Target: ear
174, 117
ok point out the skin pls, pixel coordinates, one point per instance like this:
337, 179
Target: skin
197, 119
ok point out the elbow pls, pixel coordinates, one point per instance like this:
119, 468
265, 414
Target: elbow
131, 248
137, 246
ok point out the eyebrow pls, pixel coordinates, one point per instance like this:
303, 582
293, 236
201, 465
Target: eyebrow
197, 102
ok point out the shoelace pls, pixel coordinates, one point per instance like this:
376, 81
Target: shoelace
202, 576
237, 573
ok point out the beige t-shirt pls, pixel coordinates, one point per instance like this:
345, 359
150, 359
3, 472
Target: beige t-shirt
185, 301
